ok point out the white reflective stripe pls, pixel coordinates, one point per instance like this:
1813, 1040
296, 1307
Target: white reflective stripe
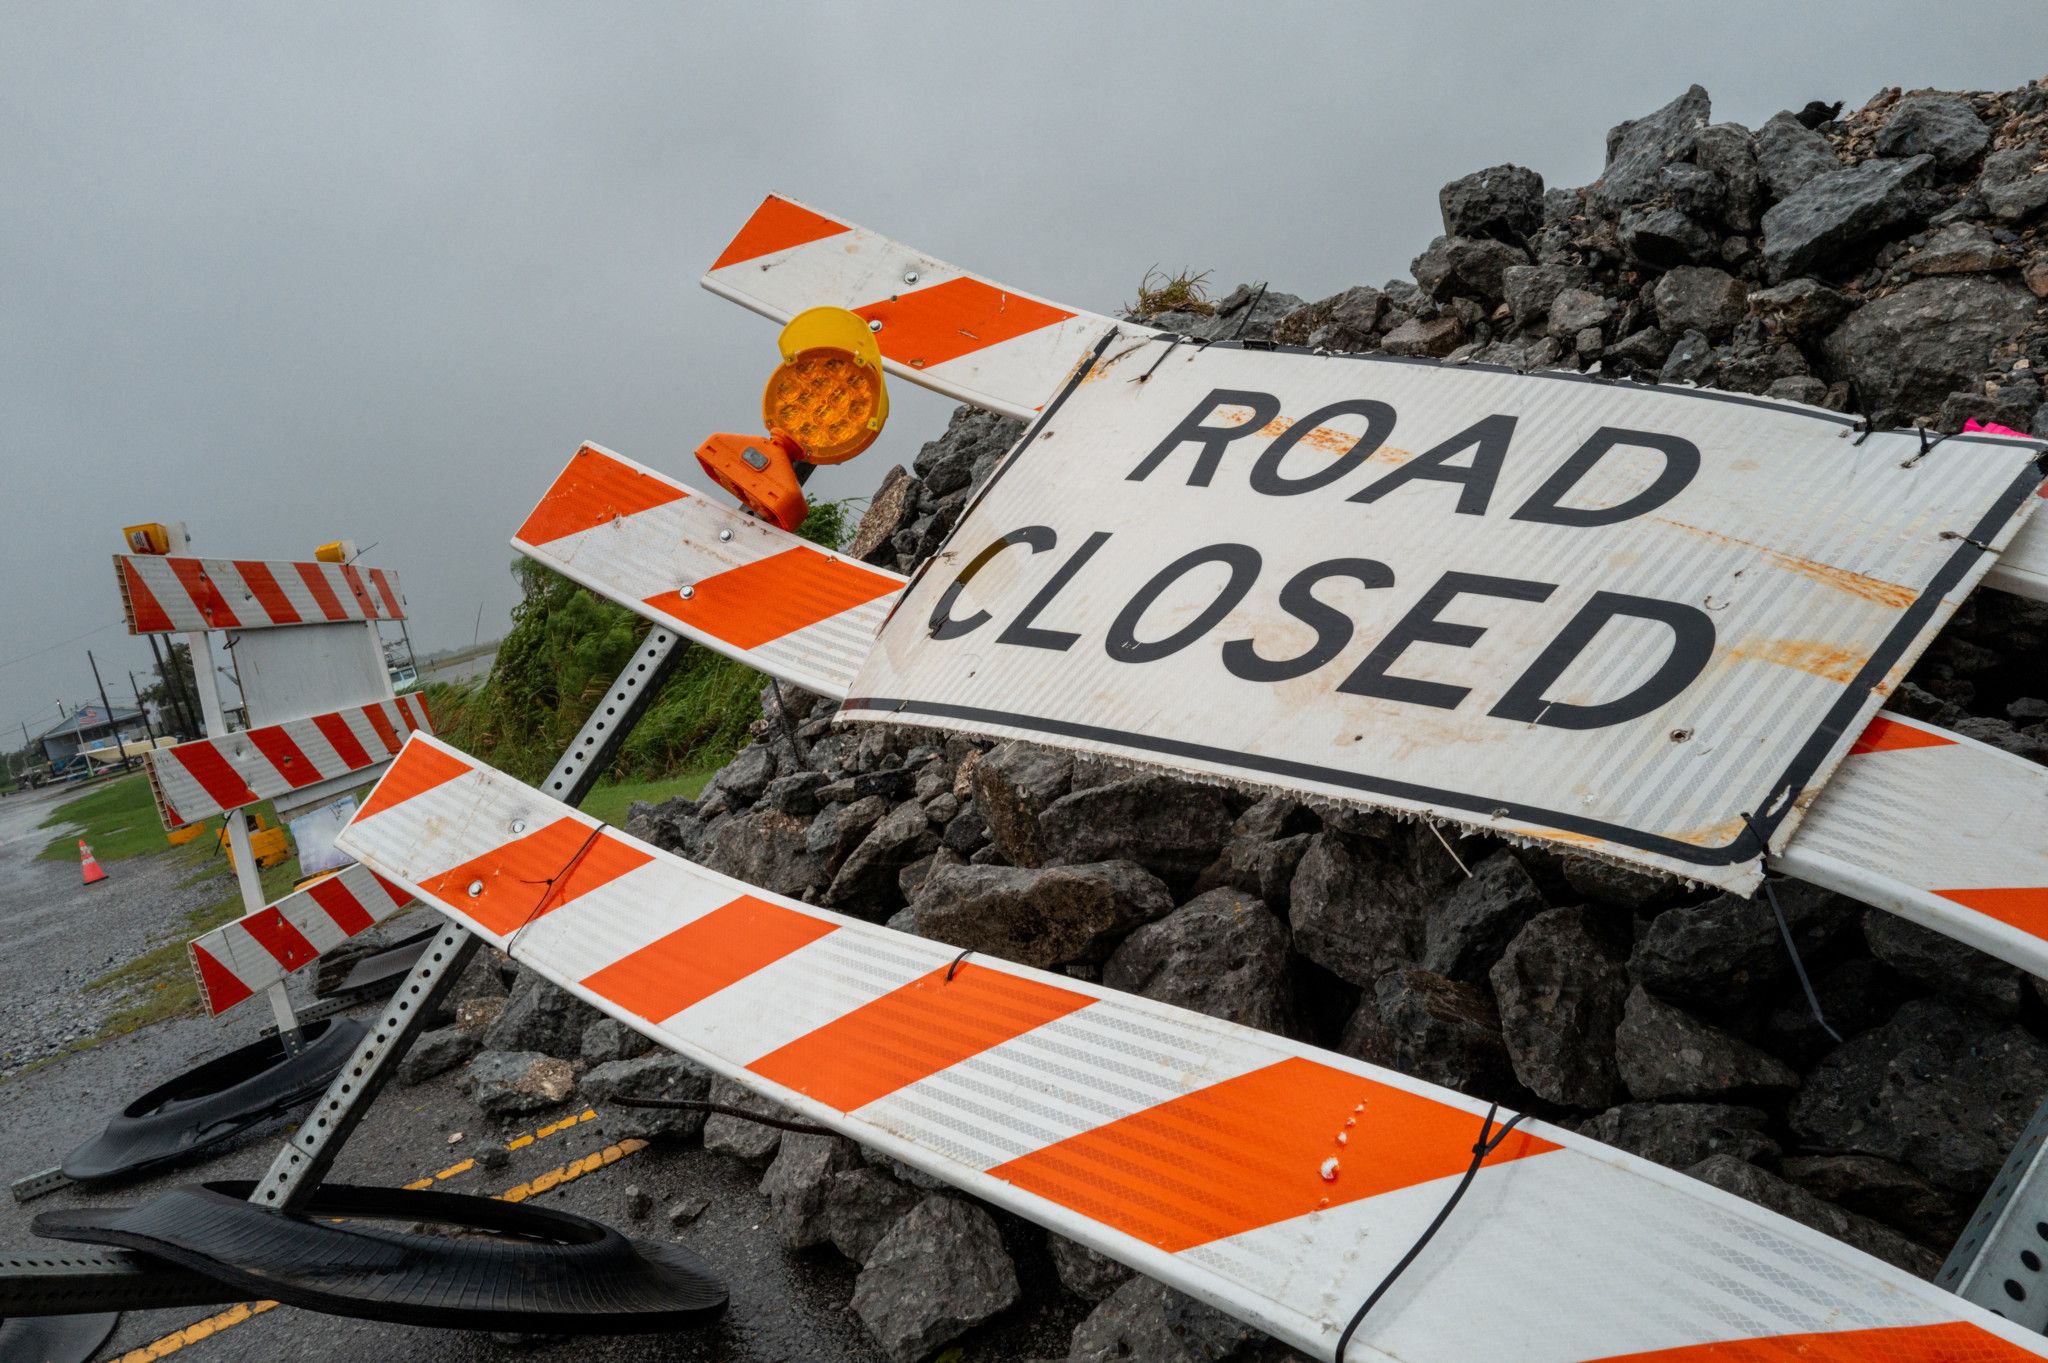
1579, 1252
693, 540
858, 268
1070, 1075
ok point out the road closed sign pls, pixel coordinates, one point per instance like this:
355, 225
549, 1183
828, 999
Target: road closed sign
1638, 620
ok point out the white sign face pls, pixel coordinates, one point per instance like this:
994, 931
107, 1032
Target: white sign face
1644, 621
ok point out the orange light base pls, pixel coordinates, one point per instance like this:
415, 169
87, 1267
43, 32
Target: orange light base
758, 470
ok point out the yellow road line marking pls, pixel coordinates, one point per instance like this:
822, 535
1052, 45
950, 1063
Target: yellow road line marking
193, 1333
553, 1178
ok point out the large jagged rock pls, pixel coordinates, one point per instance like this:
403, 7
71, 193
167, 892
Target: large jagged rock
1046, 916
1012, 784
1906, 351
2013, 185
860, 1207
1083, 1272
1700, 298
1942, 1088
1466, 266
1842, 209
1170, 827
866, 882
1467, 929
1945, 127
1882, 1191
766, 848
970, 447
1638, 151
540, 1017
609, 1039
1728, 952
1439, 1030
1664, 1052
1503, 202
507, 1083
939, 1272
660, 1075
1345, 321
1745, 1180
799, 1183
438, 1052
1148, 1322
752, 1142
1222, 953
1727, 152
1680, 1135
1359, 907
1561, 988
1790, 155
1944, 964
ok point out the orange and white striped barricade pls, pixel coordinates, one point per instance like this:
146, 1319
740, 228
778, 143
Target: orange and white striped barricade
1281, 1183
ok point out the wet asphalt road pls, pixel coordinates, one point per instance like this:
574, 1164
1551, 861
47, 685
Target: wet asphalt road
784, 1307
58, 933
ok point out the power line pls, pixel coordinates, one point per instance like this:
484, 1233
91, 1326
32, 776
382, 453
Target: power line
59, 644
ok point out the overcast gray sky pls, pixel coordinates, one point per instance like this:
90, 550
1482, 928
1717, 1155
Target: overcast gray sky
297, 272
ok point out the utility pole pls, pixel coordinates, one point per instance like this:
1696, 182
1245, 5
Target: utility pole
174, 694
142, 710
113, 729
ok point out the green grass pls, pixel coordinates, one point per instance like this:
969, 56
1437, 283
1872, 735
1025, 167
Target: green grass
119, 819
611, 802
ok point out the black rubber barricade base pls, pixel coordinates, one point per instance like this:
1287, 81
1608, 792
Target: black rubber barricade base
518, 1267
382, 971
214, 1102
56, 1339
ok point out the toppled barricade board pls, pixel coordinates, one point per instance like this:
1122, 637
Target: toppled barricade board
1644, 621
1278, 1181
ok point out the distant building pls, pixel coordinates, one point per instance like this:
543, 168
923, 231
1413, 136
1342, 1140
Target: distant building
88, 726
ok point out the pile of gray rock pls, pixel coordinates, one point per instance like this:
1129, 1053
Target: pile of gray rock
1888, 263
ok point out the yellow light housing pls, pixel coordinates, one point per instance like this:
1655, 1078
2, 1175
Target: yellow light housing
334, 551
827, 396
151, 537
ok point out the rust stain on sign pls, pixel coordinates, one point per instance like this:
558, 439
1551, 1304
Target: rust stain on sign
1825, 660
1889, 594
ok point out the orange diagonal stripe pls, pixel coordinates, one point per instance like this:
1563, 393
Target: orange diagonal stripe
2021, 906
752, 605
1951, 1341
419, 768
776, 225
1889, 735
1249, 1151
912, 1032
534, 875
931, 326
592, 490
702, 957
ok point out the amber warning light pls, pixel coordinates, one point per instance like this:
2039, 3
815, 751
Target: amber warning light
824, 404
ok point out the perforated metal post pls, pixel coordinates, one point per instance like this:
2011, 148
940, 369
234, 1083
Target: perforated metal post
1998, 1262
307, 1156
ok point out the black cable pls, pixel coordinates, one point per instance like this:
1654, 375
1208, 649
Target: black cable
956, 963
548, 892
726, 1110
1785, 931
1488, 1141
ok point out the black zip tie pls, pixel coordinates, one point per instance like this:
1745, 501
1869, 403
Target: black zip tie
725, 1110
549, 883
1863, 428
956, 963
1926, 446
1249, 309
1488, 1141
1785, 931
1161, 360
1973, 543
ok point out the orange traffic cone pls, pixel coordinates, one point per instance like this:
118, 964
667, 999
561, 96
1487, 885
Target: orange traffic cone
91, 868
